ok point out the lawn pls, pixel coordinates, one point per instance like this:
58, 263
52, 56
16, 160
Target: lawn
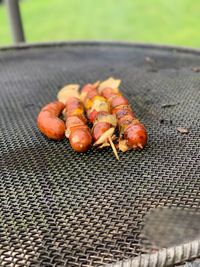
153, 21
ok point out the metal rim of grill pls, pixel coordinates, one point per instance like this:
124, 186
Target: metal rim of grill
60, 208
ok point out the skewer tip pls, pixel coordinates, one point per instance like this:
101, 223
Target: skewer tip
113, 148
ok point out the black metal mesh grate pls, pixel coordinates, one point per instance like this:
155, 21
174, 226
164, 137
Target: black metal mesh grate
60, 208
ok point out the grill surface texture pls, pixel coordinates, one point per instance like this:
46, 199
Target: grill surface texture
61, 208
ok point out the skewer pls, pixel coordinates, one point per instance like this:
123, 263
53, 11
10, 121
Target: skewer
131, 130
113, 148
104, 123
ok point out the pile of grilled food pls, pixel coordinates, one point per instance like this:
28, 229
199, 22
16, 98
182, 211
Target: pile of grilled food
101, 105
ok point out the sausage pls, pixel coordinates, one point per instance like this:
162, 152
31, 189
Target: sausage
133, 134
76, 128
98, 114
49, 123
99, 129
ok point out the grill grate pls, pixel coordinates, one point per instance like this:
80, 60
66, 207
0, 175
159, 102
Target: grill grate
60, 208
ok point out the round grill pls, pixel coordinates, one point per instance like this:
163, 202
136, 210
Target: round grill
61, 208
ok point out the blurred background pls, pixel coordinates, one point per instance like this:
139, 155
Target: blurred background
172, 22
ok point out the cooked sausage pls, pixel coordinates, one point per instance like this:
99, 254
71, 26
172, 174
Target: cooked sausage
97, 109
132, 132
76, 128
49, 123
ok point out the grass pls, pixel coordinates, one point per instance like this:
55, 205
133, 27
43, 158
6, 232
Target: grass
173, 22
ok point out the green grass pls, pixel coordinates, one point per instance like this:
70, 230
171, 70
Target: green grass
155, 21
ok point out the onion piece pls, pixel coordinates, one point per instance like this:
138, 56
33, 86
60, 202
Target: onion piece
67, 133
99, 105
123, 145
106, 118
70, 90
104, 145
82, 96
110, 82
105, 136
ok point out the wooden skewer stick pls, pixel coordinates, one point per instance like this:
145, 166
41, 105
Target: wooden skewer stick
113, 148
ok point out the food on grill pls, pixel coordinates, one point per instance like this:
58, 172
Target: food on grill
132, 132
76, 128
76, 124
68, 91
49, 123
105, 107
97, 109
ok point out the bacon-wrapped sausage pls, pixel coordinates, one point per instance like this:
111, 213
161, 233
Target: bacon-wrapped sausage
97, 109
76, 124
133, 134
